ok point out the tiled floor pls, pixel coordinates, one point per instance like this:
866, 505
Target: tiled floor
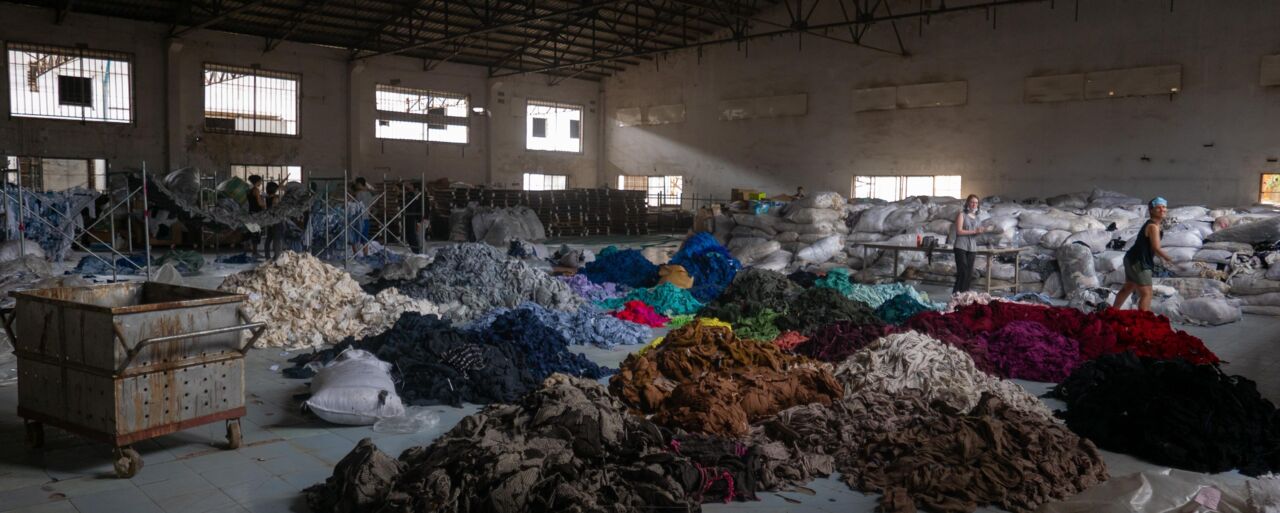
285, 451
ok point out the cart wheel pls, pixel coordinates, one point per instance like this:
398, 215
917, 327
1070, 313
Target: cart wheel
35, 435
233, 434
128, 462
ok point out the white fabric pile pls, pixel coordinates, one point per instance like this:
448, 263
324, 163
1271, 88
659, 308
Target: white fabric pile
810, 230
307, 303
941, 372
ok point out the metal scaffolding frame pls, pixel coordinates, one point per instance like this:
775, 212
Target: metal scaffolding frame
368, 211
15, 191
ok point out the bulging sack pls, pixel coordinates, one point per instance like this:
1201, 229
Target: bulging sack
355, 389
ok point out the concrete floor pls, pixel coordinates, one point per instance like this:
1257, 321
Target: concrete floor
286, 451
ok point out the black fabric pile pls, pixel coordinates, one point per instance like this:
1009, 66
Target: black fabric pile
804, 278
435, 362
818, 307
568, 446
1173, 413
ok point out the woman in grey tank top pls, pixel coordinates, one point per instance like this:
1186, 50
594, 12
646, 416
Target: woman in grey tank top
967, 230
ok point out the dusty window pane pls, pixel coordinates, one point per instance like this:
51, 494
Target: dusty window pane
539, 127
76, 91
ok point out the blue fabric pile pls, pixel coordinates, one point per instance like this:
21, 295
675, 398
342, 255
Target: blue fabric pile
588, 325
899, 308
42, 209
543, 348
626, 267
708, 263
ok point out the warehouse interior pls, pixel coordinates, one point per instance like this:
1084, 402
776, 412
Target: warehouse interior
639, 255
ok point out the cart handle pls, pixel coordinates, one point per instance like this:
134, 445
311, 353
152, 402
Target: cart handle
256, 327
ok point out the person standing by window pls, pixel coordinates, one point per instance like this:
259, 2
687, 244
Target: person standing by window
361, 191
1140, 261
256, 204
275, 232
966, 232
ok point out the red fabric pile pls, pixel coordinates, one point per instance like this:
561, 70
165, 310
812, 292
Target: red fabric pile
1150, 335
788, 340
641, 313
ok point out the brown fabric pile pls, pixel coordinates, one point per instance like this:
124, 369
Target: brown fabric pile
675, 275
703, 379
568, 446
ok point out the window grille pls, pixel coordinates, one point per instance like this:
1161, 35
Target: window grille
55, 82
422, 115
251, 100
553, 126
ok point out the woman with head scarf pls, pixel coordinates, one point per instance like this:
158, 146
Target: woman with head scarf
1139, 261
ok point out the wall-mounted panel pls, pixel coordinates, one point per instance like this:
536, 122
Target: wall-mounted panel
875, 98
665, 114
940, 94
1053, 88
629, 116
1270, 75
764, 107
1146, 81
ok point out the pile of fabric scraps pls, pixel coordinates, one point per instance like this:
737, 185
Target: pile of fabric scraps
591, 291
675, 275
666, 299
803, 278
968, 298
702, 378
625, 267
1172, 412
758, 327
837, 341
708, 263
435, 362
819, 306
1151, 335
942, 373
871, 295
680, 321
308, 303
586, 326
95, 264
769, 288
186, 262
899, 308
543, 339
1029, 350
789, 340
640, 313
569, 446
467, 280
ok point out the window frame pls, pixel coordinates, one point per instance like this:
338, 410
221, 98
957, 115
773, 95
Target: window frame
582, 118
302, 171
436, 93
901, 186
127, 57
660, 199
1262, 188
544, 176
253, 70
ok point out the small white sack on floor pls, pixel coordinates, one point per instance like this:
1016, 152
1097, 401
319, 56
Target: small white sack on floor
355, 389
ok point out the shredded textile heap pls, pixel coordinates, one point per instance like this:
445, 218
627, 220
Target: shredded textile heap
1151, 335
708, 263
625, 267
544, 341
590, 291
433, 361
703, 379
803, 278
1029, 350
754, 285
666, 299
758, 327
899, 308
308, 303
818, 307
640, 313
1171, 412
583, 327
871, 295
789, 340
467, 280
569, 446
836, 342
943, 373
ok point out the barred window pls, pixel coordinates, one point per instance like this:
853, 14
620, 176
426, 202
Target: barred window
543, 182
251, 100
660, 190
553, 126
422, 115
55, 82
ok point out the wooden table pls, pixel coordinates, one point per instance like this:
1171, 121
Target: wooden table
991, 254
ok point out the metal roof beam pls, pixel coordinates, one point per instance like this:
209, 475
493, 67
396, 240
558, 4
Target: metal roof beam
224, 15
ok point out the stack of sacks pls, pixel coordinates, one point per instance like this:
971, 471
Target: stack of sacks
496, 226
810, 230
1258, 291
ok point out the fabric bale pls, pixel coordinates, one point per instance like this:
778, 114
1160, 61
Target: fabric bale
354, 389
1076, 262
1211, 311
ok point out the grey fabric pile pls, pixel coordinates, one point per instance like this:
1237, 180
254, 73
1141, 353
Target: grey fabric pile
468, 280
496, 226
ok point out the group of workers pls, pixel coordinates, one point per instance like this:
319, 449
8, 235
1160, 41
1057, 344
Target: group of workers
1139, 260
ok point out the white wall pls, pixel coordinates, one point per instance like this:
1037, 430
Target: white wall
337, 119
1206, 144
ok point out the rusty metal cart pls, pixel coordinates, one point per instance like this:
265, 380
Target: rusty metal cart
126, 362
